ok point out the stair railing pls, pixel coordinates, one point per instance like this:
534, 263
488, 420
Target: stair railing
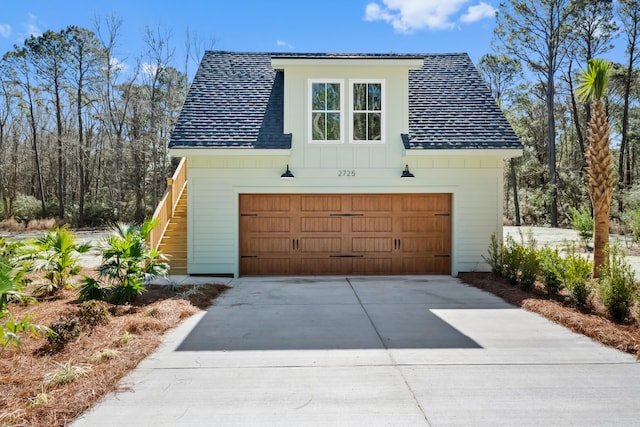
167, 206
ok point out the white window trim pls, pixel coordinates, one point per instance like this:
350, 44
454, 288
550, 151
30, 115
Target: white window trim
382, 111
310, 112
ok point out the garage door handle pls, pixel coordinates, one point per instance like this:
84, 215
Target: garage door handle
295, 244
346, 214
442, 214
346, 256
396, 244
442, 256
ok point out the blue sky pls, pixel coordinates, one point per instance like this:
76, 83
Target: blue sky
371, 26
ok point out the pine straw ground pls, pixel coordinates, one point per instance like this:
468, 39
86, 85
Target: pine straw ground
143, 322
592, 321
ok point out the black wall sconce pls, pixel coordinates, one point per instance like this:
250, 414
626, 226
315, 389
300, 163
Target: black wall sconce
406, 173
287, 174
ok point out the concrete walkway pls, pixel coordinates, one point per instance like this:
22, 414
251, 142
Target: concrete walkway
374, 351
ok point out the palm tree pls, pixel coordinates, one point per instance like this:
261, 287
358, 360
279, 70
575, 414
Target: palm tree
593, 83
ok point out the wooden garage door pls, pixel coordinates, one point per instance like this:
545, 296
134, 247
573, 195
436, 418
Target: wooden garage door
336, 234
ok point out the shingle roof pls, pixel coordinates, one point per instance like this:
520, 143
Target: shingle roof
237, 101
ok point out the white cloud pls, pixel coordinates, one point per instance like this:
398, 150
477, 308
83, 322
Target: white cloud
407, 16
31, 26
5, 30
118, 65
478, 12
149, 69
281, 43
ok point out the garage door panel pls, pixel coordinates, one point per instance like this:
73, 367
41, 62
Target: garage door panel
265, 203
421, 224
264, 245
426, 203
364, 203
372, 244
371, 224
319, 203
268, 224
373, 265
316, 224
424, 245
325, 265
426, 265
266, 266
327, 245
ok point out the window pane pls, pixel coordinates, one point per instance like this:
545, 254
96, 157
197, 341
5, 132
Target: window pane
333, 126
375, 96
359, 126
374, 127
333, 96
318, 96
360, 96
318, 127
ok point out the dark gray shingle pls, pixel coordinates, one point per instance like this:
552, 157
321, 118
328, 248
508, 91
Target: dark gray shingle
237, 100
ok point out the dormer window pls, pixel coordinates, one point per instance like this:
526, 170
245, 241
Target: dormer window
326, 111
367, 120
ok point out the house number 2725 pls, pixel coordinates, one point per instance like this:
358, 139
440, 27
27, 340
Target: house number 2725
346, 172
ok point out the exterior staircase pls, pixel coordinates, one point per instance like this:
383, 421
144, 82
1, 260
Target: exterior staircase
170, 234
174, 242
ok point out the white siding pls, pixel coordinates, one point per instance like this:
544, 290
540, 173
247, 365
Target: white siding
215, 183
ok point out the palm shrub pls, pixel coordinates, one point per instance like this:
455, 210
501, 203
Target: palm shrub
575, 276
56, 253
551, 268
617, 285
127, 264
11, 289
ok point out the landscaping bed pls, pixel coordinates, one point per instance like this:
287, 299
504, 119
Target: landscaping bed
591, 320
45, 385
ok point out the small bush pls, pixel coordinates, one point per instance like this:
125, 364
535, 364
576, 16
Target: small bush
93, 313
582, 221
41, 224
12, 225
494, 257
520, 261
26, 208
90, 289
617, 286
633, 222
65, 374
551, 269
576, 273
65, 330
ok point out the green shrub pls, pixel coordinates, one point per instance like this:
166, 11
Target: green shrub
551, 269
582, 221
575, 276
494, 257
93, 313
65, 330
26, 208
127, 265
633, 222
520, 261
617, 286
97, 214
56, 253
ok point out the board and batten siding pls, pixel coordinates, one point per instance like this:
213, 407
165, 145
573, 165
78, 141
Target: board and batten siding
214, 185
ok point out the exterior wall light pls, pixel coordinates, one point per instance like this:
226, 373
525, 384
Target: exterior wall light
406, 173
287, 174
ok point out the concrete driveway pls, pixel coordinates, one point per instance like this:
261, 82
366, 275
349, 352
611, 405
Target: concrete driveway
405, 351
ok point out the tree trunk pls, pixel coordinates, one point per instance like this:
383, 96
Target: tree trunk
600, 182
56, 86
551, 141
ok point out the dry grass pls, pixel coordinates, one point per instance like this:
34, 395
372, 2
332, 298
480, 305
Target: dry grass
42, 224
104, 355
592, 322
13, 226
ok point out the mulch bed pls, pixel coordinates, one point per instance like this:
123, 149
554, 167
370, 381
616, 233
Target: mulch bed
133, 332
592, 321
